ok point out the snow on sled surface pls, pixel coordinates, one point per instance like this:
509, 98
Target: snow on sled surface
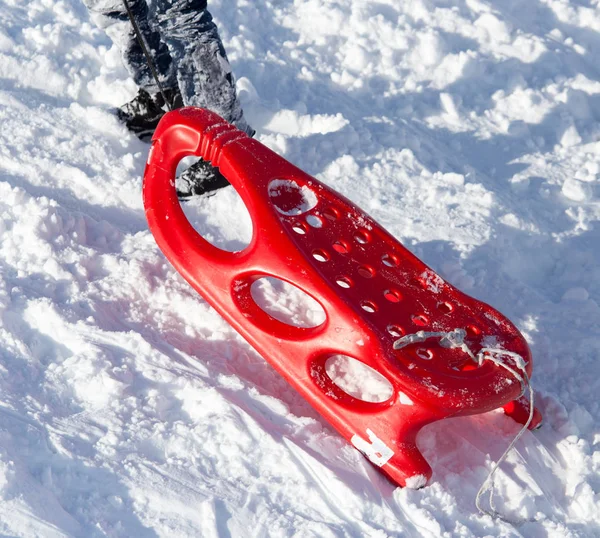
470, 130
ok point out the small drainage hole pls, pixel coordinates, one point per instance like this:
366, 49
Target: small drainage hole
473, 331
344, 282
362, 237
390, 260
368, 306
366, 272
341, 247
392, 296
300, 229
395, 331
320, 255
331, 213
425, 354
446, 308
420, 320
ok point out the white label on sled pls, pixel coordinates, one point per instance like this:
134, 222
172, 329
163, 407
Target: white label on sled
377, 451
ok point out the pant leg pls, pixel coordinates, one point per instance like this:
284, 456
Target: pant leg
203, 71
112, 16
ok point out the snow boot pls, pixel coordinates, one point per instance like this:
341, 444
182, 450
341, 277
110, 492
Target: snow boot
142, 114
199, 179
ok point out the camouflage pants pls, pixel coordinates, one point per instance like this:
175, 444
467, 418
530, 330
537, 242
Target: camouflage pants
185, 46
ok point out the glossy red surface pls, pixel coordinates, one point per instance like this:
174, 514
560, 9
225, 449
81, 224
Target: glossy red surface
372, 289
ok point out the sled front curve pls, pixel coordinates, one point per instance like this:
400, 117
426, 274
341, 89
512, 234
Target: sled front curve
371, 288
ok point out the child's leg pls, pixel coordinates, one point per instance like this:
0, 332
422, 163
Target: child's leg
112, 16
203, 71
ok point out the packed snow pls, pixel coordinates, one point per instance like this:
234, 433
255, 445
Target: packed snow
470, 129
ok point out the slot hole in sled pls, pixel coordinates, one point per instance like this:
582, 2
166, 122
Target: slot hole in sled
357, 379
287, 303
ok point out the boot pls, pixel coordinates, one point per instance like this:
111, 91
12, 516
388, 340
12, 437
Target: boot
142, 114
200, 178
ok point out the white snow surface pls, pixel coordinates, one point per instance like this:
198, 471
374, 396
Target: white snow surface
470, 129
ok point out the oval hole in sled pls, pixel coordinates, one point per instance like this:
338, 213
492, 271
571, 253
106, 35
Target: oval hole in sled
223, 219
357, 379
287, 303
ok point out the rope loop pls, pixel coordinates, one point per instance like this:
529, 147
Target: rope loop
456, 339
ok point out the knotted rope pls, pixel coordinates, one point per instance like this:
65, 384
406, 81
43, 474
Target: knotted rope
456, 339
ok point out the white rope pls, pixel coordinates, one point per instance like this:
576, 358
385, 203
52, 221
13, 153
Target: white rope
456, 339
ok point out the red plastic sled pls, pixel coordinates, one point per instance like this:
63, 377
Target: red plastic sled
371, 288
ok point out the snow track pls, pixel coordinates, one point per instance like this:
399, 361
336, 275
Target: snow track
128, 407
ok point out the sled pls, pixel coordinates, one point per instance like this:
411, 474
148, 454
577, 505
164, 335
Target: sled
372, 289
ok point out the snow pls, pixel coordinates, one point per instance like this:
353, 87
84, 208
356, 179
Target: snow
128, 407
